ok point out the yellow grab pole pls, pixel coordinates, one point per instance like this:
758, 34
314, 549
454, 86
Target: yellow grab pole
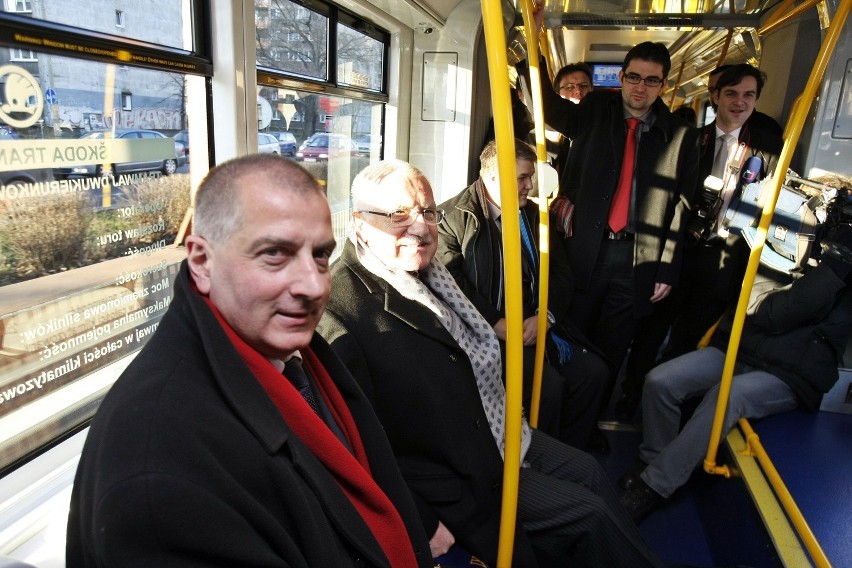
785, 17
756, 449
543, 204
779, 12
498, 66
793, 132
676, 85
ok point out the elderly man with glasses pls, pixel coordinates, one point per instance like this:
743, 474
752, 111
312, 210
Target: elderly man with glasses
431, 365
630, 177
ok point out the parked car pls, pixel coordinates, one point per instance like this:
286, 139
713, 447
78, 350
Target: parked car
324, 144
287, 142
168, 165
267, 144
368, 143
182, 138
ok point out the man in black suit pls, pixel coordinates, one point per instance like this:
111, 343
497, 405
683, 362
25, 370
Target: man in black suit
759, 119
715, 258
630, 177
203, 452
431, 365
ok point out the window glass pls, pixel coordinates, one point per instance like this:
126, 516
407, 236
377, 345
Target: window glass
360, 59
333, 137
155, 21
93, 192
292, 38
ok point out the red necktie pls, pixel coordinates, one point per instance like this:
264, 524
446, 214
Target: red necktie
621, 200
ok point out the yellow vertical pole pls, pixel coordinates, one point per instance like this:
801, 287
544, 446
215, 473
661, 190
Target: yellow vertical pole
498, 66
792, 133
543, 204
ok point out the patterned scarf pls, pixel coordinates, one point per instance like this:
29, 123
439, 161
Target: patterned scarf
441, 295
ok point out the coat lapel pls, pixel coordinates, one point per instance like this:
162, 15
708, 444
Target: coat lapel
408, 311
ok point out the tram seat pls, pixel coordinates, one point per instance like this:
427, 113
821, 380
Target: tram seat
6, 562
810, 452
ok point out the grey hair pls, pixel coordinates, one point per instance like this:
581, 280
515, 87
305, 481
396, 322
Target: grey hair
370, 178
219, 201
488, 157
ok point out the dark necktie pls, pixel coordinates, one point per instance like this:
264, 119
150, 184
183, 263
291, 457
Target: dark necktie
526, 240
294, 373
621, 199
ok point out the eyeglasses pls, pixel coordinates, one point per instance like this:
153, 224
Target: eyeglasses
405, 216
635, 79
573, 87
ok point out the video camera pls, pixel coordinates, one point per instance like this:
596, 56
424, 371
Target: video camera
807, 213
705, 207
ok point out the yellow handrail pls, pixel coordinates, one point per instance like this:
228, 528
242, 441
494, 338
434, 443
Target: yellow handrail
754, 447
498, 64
779, 12
776, 22
543, 204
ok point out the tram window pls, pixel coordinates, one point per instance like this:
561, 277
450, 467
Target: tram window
20, 6
92, 195
158, 21
292, 38
336, 137
360, 59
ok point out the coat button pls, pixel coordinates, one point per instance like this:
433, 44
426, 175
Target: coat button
477, 423
359, 563
598, 225
454, 357
495, 488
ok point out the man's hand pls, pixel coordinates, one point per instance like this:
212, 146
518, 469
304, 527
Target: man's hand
538, 15
500, 329
441, 541
530, 329
660, 291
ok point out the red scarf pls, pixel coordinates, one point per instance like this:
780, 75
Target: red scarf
352, 473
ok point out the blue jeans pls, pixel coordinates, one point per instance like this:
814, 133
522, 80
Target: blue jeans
673, 456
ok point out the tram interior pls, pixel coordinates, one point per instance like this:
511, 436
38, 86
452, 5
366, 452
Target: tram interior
437, 120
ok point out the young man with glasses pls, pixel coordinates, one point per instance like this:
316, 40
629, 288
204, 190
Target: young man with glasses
624, 246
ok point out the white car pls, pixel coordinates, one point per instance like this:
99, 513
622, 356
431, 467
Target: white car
267, 144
